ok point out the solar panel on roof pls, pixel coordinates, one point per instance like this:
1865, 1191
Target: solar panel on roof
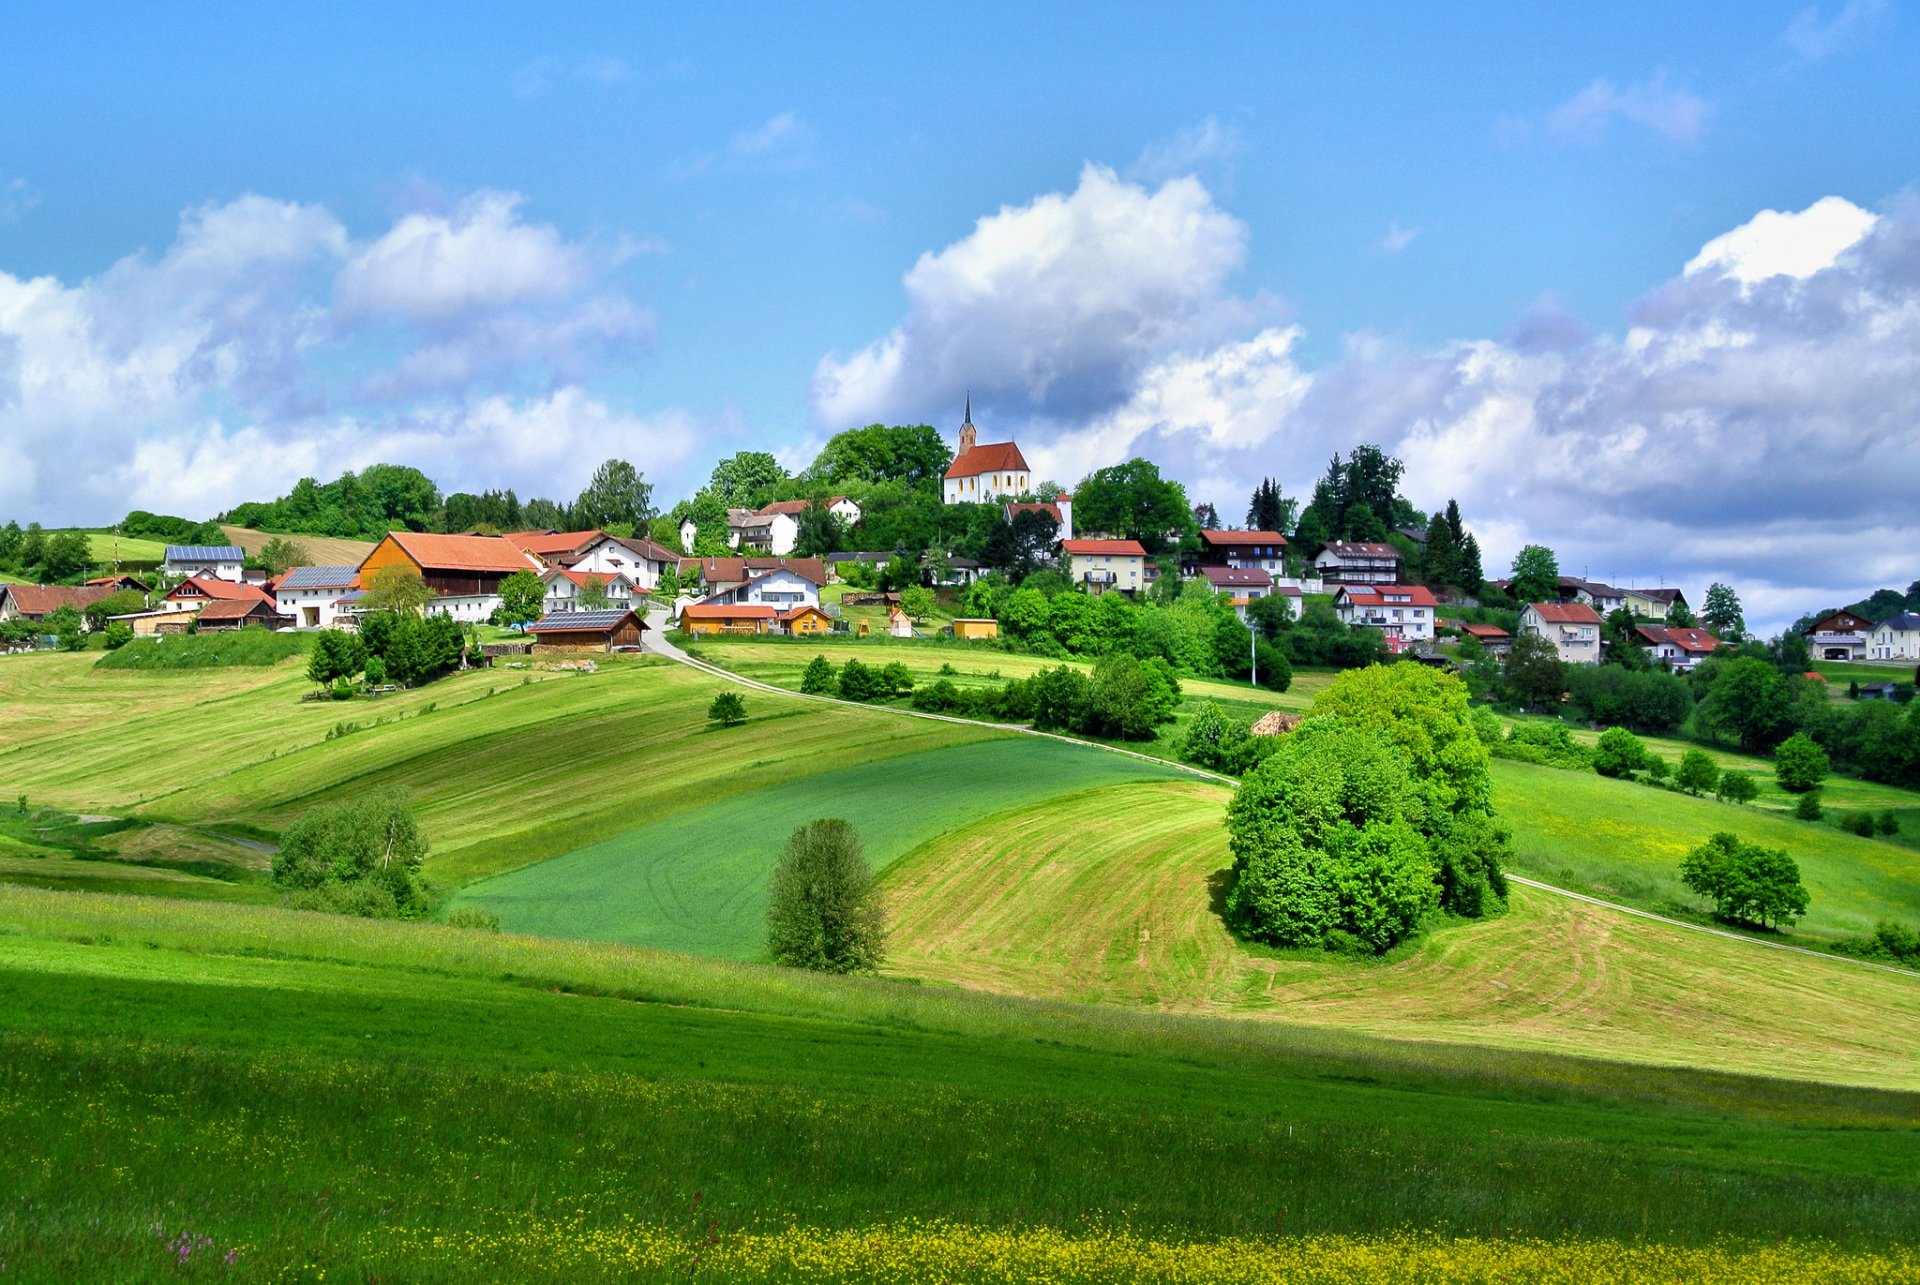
567, 620
319, 578
205, 553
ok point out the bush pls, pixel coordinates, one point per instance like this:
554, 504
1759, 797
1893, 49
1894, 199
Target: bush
1888, 824
1860, 823
1127, 699
823, 911
819, 679
1808, 808
1891, 943
1737, 787
1747, 883
1800, 764
117, 635
1061, 698
1619, 754
361, 858
858, 682
728, 709
895, 680
1548, 743
1275, 672
473, 917
937, 697
1697, 773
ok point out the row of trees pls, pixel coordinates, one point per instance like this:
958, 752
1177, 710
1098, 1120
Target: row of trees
391, 647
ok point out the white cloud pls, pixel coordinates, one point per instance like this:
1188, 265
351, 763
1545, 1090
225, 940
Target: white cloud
1776, 243
264, 343
1190, 151
1813, 38
782, 142
17, 196
547, 71
1668, 111
1060, 302
1397, 238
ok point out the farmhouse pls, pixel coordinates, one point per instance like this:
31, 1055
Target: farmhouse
575, 631
1839, 635
1654, 604
553, 547
839, 505
640, 560
222, 561
463, 571
38, 601
310, 596
1263, 549
237, 613
1493, 638
717, 574
782, 587
1348, 562
727, 618
983, 472
1403, 613
1060, 509
199, 591
1241, 582
565, 589
1572, 627
1101, 565
116, 583
1679, 649
1896, 638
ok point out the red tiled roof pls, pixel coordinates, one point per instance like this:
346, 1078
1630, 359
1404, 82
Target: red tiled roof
218, 590
1484, 631
550, 544
235, 609
463, 552
1696, 641
581, 577
1389, 595
794, 508
735, 570
988, 457
1346, 549
794, 613
1129, 548
726, 611
1237, 577
41, 599
1567, 613
1227, 539
1052, 510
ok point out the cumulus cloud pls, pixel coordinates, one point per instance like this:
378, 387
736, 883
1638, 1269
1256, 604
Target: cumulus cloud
1059, 303
1754, 422
265, 343
1667, 110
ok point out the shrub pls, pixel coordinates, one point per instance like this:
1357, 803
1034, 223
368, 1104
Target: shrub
1275, 671
1747, 883
361, 857
858, 682
1697, 773
1546, 743
1737, 787
1891, 943
937, 697
1061, 698
117, 635
1800, 764
1860, 823
728, 709
376, 672
819, 679
473, 917
823, 911
1808, 808
1888, 823
1619, 754
895, 680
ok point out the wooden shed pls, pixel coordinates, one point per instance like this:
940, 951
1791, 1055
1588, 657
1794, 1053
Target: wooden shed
805, 619
970, 628
577, 631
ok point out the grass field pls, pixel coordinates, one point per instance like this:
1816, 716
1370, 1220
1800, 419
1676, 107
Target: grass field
696, 881
325, 1097
103, 547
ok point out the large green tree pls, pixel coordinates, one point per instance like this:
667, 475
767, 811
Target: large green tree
743, 477
522, 595
1534, 672
1748, 701
361, 856
1269, 510
1536, 574
913, 455
823, 911
1722, 614
1747, 883
616, 494
1134, 502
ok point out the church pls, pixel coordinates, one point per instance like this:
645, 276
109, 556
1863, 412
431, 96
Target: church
984, 472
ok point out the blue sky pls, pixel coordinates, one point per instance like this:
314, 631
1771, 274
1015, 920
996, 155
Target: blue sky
683, 228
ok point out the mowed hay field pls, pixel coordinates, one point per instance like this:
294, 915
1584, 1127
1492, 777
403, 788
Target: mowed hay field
1110, 896
697, 880
321, 550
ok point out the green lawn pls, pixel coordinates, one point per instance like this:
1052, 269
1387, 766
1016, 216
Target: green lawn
103, 548
696, 881
380, 1101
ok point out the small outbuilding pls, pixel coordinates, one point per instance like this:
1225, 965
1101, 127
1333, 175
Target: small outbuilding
968, 628
574, 631
805, 620
727, 618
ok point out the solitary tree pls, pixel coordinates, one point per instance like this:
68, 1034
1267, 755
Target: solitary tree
1747, 883
1536, 574
823, 911
1722, 615
917, 601
362, 857
1698, 773
1535, 672
1800, 764
1619, 753
616, 494
280, 553
521, 596
592, 594
728, 709
1737, 787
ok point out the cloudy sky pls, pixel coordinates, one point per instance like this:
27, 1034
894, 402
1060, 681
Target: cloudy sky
1642, 285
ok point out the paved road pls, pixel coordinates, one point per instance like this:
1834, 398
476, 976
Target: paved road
656, 642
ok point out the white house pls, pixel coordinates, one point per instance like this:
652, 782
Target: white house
983, 472
774, 533
1404, 613
640, 560
1839, 635
1263, 549
1349, 562
1678, 649
565, 584
1603, 598
782, 588
1895, 638
222, 561
839, 505
1100, 565
310, 596
1572, 627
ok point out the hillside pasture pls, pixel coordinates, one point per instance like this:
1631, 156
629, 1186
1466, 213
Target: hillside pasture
1112, 896
103, 547
696, 881
321, 550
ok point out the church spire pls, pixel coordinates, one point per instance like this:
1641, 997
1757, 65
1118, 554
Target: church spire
969, 415
967, 432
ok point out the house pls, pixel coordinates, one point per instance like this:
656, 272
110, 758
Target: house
1404, 613
1877, 691
1572, 627
565, 587
716, 574
197, 592
1347, 562
1895, 638
116, 583
1603, 598
1060, 509
554, 547
848, 511
222, 561
958, 572
1654, 604
463, 571
783, 588
805, 621
1240, 582
1101, 565
640, 560
225, 614
1263, 549
774, 533
310, 596
38, 601
968, 629
1495, 640
1678, 649
983, 472
1839, 635
726, 618
575, 631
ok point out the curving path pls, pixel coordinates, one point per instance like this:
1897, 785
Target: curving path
657, 643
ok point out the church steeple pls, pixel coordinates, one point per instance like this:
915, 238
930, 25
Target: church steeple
967, 433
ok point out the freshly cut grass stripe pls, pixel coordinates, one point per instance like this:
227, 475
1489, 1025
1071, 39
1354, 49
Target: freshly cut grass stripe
697, 881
